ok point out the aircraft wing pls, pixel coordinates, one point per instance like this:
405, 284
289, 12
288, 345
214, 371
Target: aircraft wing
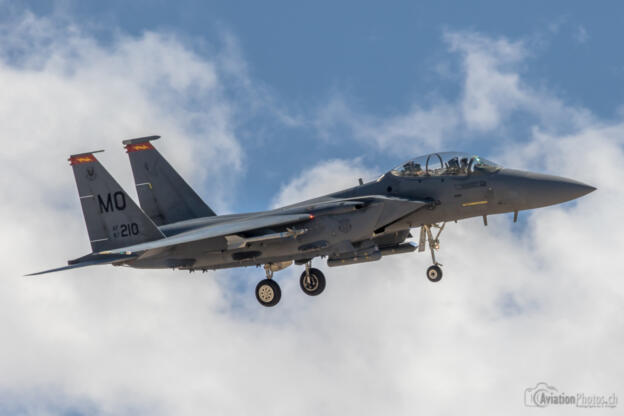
340, 205
393, 208
216, 230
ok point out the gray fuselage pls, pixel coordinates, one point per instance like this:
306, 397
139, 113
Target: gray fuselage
369, 230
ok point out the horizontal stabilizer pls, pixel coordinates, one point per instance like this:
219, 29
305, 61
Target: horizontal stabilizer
89, 260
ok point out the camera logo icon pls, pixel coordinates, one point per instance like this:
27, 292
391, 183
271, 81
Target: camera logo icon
539, 395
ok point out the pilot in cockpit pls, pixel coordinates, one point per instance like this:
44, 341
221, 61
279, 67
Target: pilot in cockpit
453, 165
412, 168
464, 163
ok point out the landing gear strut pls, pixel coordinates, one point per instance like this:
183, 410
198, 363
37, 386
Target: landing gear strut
312, 281
268, 291
434, 273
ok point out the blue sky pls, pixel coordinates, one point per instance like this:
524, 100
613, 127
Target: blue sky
267, 103
381, 60
384, 56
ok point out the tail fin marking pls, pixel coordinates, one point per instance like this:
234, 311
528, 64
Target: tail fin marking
113, 219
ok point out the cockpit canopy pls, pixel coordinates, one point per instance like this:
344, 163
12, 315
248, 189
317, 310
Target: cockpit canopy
446, 164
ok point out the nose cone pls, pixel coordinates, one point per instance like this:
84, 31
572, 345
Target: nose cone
556, 190
537, 190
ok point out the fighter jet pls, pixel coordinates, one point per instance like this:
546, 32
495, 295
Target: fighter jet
174, 229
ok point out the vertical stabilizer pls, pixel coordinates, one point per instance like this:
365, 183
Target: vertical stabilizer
163, 194
112, 217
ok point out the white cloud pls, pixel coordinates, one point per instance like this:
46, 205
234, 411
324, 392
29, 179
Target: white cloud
326, 177
512, 309
133, 87
418, 130
491, 90
515, 308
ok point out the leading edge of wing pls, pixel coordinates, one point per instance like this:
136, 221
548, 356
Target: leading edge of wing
333, 205
216, 230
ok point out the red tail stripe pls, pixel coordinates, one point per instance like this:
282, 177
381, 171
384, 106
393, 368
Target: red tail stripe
76, 160
137, 147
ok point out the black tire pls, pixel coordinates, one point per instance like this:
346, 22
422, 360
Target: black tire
434, 273
268, 292
315, 285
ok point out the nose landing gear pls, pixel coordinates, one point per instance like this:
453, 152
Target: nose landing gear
434, 273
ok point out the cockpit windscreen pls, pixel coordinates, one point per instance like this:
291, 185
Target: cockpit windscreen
446, 164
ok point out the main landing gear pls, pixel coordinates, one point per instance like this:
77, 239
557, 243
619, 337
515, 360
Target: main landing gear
434, 272
268, 292
312, 281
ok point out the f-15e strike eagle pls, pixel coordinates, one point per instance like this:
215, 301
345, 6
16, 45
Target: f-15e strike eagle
173, 227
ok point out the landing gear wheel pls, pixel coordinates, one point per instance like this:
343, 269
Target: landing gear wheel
312, 282
434, 273
268, 292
